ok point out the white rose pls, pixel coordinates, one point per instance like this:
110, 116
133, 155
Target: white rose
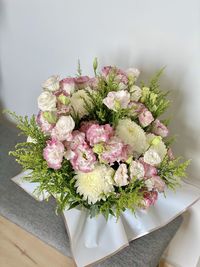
152, 157
64, 126
159, 147
136, 170
52, 83
136, 93
47, 101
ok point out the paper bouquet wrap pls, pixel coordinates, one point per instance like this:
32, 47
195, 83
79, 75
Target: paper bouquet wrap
99, 147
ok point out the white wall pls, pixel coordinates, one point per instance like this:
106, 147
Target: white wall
44, 37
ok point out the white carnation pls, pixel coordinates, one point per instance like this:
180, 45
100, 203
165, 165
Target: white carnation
132, 134
52, 83
47, 101
121, 175
136, 170
78, 103
160, 147
94, 184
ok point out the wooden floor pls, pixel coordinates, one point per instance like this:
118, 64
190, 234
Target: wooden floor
19, 248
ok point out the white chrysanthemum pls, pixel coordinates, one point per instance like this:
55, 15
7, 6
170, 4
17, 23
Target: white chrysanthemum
160, 148
78, 103
132, 134
95, 183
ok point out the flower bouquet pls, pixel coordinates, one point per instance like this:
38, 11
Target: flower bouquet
99, 147
98, 143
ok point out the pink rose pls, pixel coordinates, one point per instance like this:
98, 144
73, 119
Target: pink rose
53, 154
115, 150
145, 117
43, 124
82, 158
82, 81
150, 198
117, 100
149, 170
159, 128
68, 85
99, 133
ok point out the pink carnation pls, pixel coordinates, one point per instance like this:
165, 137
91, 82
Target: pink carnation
43, 124
145, 117
98, 133
115, 150
150, 198
83, 158
53, 154
149, 170
160, 129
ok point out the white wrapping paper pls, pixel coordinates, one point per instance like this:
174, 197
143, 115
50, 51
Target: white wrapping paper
93, 239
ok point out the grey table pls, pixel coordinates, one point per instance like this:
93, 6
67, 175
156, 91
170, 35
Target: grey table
39, 218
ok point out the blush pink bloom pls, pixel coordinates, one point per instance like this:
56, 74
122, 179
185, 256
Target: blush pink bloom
158, 183
145, 117
160, 129
150, 198
117, 100
93, 83
78, 139
120, 76
121, 175
115, 150
149, 170
68, 85
99, 133
53, 153
82, 81
136, 107
85, 125
43, 124
83, 158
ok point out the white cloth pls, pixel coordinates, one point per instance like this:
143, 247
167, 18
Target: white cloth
93, 239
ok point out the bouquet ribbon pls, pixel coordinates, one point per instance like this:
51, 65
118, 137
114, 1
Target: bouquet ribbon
94, 239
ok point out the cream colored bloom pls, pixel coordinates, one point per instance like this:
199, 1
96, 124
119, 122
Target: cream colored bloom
136, 170
159, 147
52, 83
47, 101
78, 103
152, 157
136, 93
94, 184
132, 134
